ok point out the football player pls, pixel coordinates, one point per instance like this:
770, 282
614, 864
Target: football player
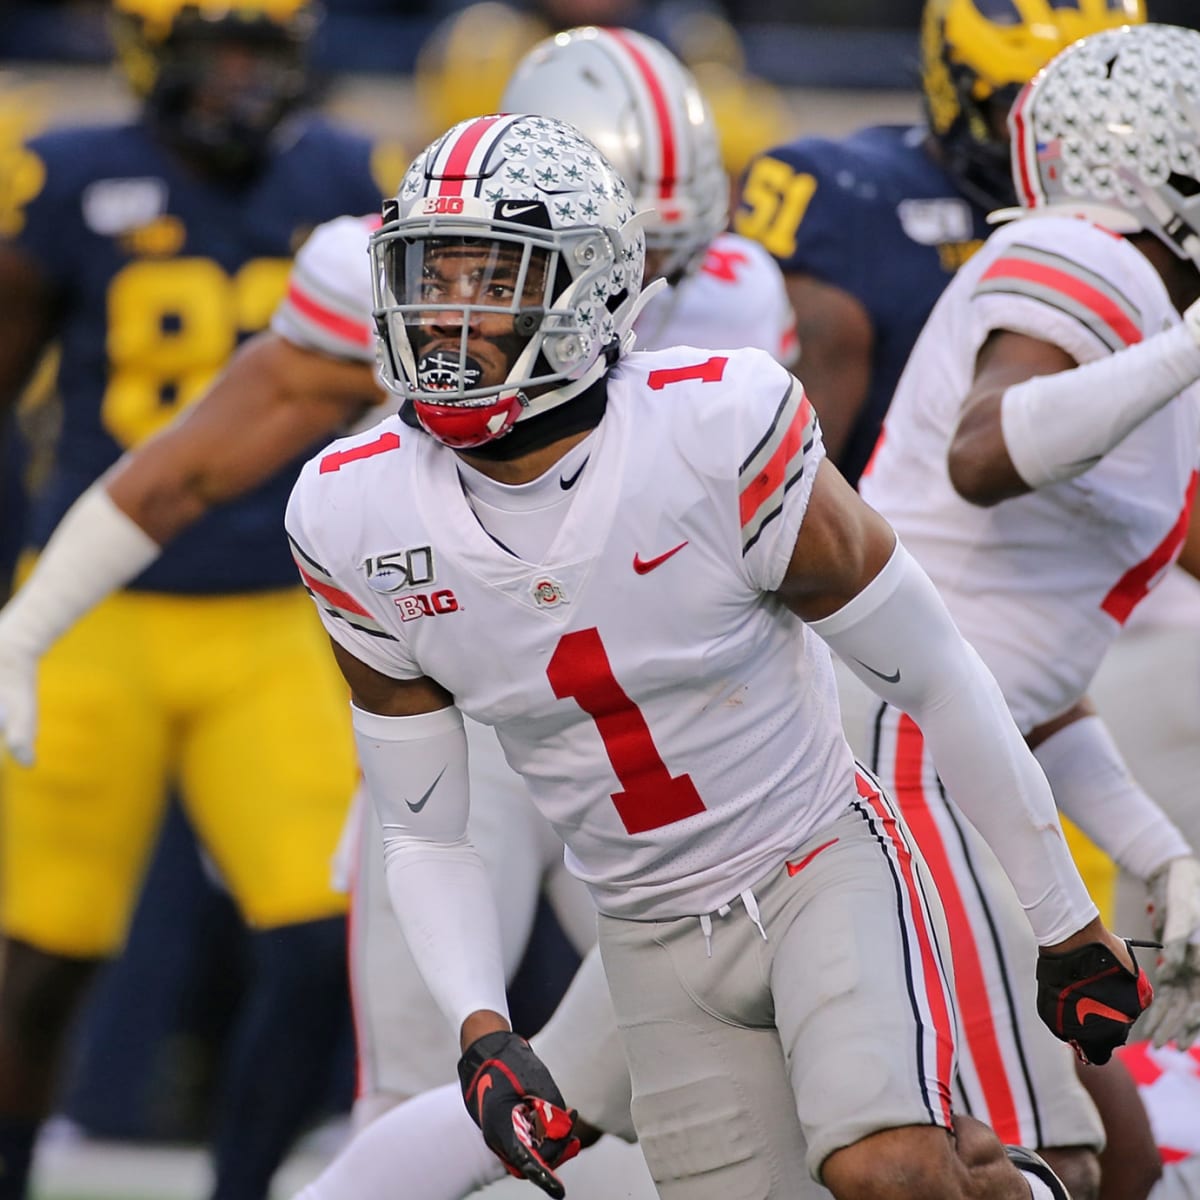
314, 373
676, 722
148, 249
869, 229
1049, 409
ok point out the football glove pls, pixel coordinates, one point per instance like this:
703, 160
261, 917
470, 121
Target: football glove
1174, 907
517, 1105
1089, 999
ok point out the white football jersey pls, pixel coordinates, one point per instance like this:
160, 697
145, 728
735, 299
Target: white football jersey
736, 297
1040, 584
677, 726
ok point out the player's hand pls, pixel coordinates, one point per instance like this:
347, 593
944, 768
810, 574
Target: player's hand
18, 698
1174, 907
1090, 999
516, 1103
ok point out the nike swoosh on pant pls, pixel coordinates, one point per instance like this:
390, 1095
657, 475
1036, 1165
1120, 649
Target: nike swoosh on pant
794, 868
420, 804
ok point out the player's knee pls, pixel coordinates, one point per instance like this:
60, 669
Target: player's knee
39, 993
907, 1163
1079, 1169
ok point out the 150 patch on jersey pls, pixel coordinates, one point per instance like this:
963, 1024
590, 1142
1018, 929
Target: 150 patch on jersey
387, 573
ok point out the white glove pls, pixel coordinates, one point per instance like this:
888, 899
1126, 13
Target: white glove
18, 696
1174, 907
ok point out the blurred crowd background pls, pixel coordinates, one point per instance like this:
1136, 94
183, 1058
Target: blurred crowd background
148, 1053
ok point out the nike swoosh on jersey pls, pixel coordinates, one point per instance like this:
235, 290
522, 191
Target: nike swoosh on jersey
644, 566
420, 804
568, 484
1087, 1007
894, 677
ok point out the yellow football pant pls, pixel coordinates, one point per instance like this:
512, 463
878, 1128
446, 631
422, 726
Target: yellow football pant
234, 701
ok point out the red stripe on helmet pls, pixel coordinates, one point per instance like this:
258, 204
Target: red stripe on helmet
658, 98
1017, 120
454, 173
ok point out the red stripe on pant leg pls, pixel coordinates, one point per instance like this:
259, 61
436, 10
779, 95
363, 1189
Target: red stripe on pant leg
931, 974
970, 986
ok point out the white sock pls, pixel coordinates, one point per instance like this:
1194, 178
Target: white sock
428, 1147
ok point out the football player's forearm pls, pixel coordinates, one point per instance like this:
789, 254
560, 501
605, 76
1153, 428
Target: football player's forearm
1093, 786
272, 404
415, 768
897, 636
1052, 427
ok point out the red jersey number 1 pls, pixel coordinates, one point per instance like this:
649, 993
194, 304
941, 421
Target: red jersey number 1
579, 670
710, 370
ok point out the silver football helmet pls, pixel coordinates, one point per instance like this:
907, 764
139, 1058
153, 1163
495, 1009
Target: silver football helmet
1110, 131
632, 97
511, 230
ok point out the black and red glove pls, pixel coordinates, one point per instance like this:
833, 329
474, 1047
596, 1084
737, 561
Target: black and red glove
516, 1103
1090, 1000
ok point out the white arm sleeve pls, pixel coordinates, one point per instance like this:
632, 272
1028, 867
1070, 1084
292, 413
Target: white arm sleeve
1093, 786
898, 637
95, 550
1058, 426
416, 774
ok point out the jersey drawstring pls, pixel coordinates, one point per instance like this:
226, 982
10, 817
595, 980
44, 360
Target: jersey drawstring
751, 905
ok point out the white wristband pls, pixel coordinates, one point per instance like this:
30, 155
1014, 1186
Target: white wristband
1058, 426
95, 550
1093, 786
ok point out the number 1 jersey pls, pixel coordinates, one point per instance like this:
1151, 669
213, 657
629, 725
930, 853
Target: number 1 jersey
676, 723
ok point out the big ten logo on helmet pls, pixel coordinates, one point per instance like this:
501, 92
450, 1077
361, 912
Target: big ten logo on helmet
442, 204
387, 573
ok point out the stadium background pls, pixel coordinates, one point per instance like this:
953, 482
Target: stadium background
135, 1102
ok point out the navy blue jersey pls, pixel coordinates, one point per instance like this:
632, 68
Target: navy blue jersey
157, 274
875, 215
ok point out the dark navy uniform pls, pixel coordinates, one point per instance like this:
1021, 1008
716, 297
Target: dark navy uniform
158, 273
210, 674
